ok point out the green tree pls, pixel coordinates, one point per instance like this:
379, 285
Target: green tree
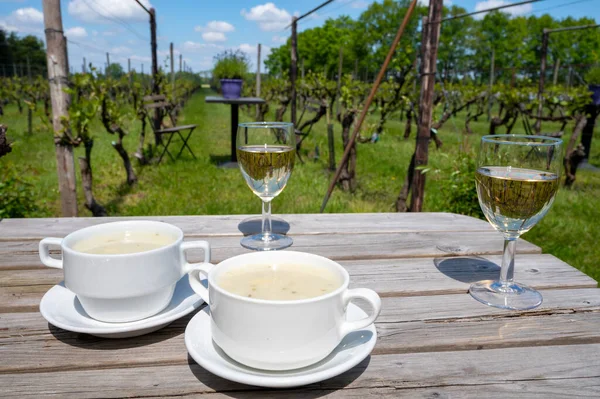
465, 48
318, 49
455, 42
375, 31
15, 50
114, 71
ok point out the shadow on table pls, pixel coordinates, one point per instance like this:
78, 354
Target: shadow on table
86, 341
468, 269
242, 391
253, 225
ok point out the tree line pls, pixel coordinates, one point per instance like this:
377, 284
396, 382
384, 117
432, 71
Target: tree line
465, 50
15, 50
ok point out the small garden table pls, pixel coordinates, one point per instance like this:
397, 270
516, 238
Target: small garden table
235, 104
434, 340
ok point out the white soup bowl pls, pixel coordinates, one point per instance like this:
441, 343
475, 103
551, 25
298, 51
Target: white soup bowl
123, 287
280, 335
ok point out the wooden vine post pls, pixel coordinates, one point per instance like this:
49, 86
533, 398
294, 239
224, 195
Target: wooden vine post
555, 73
492, 73
538, 123
172, 70
157, 113
258, 80
29, 110
428, 71
339, 81
294, 69
330, 141
58, 70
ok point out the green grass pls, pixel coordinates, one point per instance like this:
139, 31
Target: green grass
199, 187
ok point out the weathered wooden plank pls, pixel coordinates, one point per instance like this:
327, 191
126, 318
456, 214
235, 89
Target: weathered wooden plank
553, 370
489, 332
406, 325
556, 388
363, 223
22, 290
338, 247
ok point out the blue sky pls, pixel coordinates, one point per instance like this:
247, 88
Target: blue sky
200, 29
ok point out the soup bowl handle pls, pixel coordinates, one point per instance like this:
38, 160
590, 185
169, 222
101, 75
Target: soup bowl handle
196, 282
45, 252
187, 267
368, 295
193, 270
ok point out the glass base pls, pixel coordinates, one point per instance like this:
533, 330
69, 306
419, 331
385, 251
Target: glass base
272, 242
510, 296
253, 225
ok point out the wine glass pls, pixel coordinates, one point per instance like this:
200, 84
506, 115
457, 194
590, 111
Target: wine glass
266, 153
517, 178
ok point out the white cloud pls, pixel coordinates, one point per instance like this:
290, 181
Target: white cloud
279, 39
214, 31
268, 16
513, 11
28, 16
140, 58
107, 11
120, 50
214, 36
24, 20
76, 32
216, 26
190, 46
248, 48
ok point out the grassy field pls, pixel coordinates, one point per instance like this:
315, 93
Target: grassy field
199, 187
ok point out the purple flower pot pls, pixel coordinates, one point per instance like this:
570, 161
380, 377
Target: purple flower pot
231, 88
595, 89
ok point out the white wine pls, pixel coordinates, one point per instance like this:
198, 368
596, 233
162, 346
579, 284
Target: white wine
514, 199
266, 168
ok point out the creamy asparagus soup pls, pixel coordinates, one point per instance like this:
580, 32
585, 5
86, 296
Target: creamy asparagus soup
123, 242
282, 282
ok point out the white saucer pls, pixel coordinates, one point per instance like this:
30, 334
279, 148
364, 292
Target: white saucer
62, 309
355, 347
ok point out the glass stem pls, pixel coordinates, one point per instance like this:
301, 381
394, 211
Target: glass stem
266, 220
508, 261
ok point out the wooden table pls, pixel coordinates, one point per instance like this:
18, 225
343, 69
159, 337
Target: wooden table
235, 104
434, 339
